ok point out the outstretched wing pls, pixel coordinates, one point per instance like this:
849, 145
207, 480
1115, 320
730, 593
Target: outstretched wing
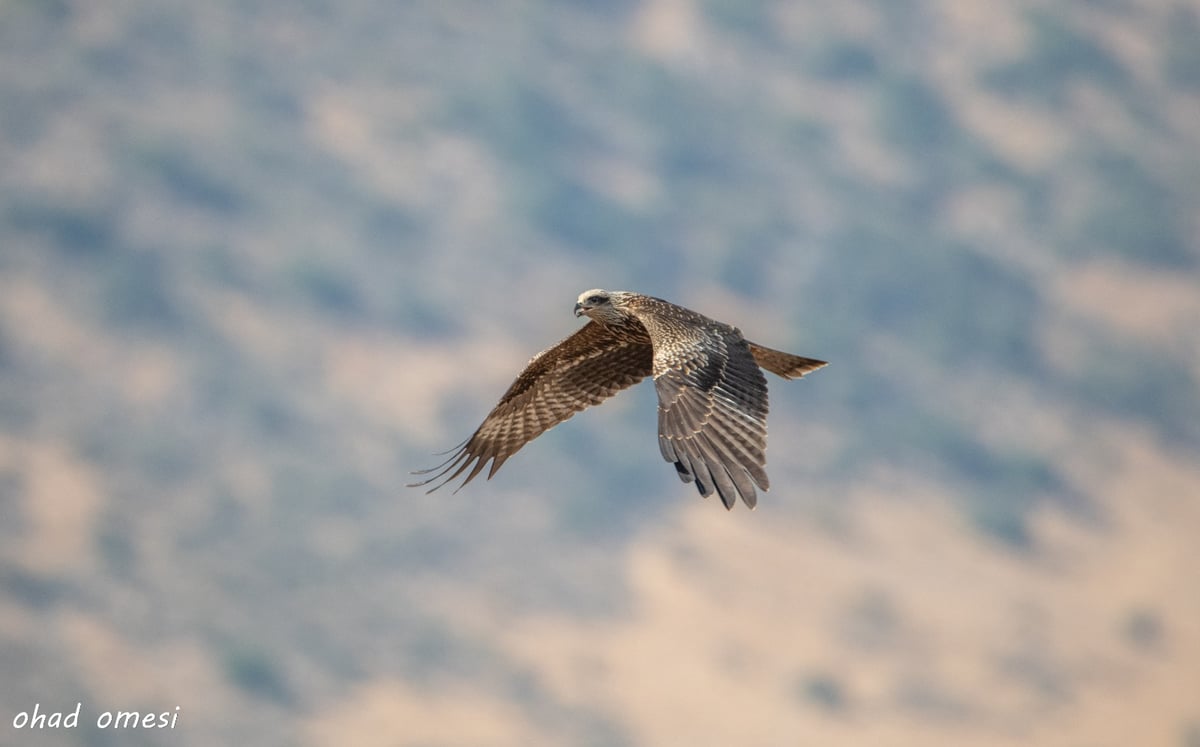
583, 370
712, 407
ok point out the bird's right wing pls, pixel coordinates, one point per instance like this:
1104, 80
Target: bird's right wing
712, 411
583, 370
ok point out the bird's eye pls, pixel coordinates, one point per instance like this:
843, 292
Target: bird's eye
595, 300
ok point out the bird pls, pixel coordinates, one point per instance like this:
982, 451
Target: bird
712, 394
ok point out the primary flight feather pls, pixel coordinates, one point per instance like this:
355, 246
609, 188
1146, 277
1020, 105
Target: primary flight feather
712, 395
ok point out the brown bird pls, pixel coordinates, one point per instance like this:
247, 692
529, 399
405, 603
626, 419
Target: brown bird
712, 397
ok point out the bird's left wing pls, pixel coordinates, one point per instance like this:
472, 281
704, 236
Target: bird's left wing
583, 370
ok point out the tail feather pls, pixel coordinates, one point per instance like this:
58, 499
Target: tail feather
784, 364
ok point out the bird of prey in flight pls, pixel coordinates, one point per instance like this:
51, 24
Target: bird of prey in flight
712, 395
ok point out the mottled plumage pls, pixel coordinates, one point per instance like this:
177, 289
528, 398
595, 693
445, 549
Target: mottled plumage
712, 395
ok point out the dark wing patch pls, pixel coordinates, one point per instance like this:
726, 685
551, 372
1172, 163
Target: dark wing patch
712, 413
583, 370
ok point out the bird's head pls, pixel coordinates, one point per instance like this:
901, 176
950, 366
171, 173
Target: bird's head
600, 305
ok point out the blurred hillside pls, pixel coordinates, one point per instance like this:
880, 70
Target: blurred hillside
257, 261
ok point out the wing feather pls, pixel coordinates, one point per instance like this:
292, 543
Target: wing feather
583, 370
712, 404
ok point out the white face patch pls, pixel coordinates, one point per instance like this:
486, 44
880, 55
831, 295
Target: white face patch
586, 298
597, 304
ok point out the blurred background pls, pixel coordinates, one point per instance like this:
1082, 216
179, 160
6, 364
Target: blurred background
260, 260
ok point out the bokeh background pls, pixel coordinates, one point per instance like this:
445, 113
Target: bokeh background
259, 260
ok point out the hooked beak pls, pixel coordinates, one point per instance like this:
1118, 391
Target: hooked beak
579, 309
